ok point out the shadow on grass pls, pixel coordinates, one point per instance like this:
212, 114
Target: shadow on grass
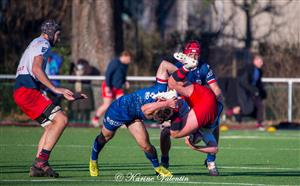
177, 169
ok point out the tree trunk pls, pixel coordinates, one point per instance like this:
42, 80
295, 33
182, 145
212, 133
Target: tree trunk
182, 17
92, 32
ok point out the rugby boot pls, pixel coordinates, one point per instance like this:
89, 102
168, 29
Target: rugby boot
162, 171
94, 170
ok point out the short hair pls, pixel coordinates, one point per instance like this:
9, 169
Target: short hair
163, 114
127, 53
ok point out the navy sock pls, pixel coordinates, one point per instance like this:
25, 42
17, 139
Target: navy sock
97, 146
153, 157
164, 159
211, 157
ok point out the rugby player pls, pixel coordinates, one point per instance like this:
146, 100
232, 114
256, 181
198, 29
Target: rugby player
201, 74
131, 110
30, 78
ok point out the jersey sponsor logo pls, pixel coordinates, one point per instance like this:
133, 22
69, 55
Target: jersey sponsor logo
20, 68
149, 95
112, 122
209, 74
44, 49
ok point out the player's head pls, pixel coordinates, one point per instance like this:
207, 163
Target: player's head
192, 49
258, 61
52, 29
126, 57
163, 114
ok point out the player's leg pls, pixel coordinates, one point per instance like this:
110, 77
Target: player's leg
54, 127
101, 110
99, 142
190, 125
183, 88
164, 70
139, 132
211, 157
165, 146
107, 98
41, 142
210, 141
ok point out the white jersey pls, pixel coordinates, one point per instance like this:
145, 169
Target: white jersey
24, 75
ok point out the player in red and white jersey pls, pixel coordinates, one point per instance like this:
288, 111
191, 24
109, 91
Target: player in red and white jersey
30, 79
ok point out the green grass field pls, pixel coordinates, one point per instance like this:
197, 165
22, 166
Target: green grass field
245, 158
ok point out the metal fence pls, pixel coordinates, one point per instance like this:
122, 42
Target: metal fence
282, 103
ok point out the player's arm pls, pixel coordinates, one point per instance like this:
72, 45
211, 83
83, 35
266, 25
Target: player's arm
216, 89
42, 77
213, 84
210, 148
150, 108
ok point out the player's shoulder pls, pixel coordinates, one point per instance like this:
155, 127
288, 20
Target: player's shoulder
203, 64
40, 43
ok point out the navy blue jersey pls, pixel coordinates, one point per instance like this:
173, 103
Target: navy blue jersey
115, 75
202, 75
128, 107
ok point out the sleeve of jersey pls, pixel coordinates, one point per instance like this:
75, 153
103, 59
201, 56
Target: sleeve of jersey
210, 76
40, 49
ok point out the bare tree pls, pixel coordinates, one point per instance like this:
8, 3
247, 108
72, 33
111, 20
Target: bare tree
252, 9
92, 32
20, 21
182, 17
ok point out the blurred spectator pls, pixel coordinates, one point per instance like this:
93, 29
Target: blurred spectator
81, 109
112, 87
53, 67
250, 91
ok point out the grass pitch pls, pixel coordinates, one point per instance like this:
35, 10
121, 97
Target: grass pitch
245, 158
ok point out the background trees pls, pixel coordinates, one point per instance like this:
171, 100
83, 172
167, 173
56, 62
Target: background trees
96, 30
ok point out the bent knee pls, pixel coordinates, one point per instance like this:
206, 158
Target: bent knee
174, 134
215, 150
145, 147
61, 119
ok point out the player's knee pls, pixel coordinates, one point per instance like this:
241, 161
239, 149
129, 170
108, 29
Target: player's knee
214, 146
174, 134
61, 119
64, 120
145, 147
107, 137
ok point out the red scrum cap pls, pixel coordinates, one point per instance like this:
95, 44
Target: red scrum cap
192, 46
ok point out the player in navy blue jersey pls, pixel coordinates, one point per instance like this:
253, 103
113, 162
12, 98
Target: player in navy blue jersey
130, 110
202, 75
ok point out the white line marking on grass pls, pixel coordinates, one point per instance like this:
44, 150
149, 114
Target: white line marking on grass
173, 147
260, 137
113, 181
261, 168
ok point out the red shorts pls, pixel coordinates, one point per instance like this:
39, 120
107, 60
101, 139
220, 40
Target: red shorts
204, 103
31, 101
115, 92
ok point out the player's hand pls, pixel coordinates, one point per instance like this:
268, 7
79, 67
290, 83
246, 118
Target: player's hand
65, 92
79, 95
172, 103
188, 143
127, 85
